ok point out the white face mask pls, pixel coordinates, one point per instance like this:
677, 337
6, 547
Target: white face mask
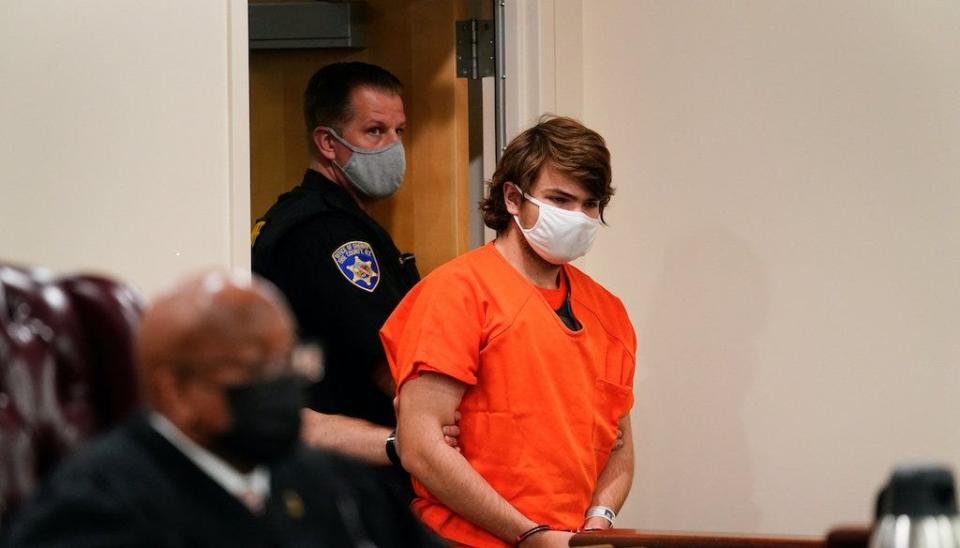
559, 236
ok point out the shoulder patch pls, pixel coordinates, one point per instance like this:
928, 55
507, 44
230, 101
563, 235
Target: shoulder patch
358, 264
255, 231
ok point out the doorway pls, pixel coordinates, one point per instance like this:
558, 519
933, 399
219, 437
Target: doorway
434, 212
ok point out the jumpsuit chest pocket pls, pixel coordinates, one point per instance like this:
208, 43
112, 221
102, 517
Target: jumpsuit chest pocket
610, 403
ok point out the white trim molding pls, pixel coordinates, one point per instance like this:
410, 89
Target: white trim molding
238, 101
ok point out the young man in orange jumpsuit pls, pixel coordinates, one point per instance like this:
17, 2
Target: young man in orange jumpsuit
537, 357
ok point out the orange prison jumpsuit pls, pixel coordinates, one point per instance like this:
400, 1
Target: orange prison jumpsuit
541, 409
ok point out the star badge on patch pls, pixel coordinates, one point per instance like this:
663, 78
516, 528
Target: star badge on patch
358, 264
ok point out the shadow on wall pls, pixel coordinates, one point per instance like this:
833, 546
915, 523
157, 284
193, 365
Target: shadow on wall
698, 352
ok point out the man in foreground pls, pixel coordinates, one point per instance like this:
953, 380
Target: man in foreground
214, 459
537, 357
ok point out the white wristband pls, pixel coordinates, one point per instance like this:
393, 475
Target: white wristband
601, 512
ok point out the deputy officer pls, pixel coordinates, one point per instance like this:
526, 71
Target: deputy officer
339, 269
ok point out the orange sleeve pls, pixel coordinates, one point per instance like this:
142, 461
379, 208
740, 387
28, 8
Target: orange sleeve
437, 328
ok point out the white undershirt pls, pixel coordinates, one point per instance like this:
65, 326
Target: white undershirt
238, 484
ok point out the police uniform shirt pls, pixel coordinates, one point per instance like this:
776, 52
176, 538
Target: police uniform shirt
343, 276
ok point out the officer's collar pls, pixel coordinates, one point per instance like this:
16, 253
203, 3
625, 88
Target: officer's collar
315, 181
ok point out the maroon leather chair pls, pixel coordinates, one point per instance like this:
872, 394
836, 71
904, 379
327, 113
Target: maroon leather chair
66, 370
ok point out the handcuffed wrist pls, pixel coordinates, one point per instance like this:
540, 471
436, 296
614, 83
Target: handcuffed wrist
529, 533
601, 512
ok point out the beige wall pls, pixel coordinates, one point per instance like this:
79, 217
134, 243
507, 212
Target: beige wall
785, 233
786, 236
123, 136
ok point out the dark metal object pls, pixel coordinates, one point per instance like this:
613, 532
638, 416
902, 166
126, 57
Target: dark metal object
918, 509
475, 49
500, 96
299, 25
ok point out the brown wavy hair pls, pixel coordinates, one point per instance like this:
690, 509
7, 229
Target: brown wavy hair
568, 146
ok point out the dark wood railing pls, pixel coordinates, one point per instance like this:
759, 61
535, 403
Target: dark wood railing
841, 537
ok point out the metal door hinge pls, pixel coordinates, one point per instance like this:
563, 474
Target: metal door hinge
475, 49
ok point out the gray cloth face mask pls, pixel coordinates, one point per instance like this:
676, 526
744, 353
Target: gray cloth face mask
376, 172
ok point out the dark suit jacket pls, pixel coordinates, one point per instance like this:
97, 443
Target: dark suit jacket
133, 488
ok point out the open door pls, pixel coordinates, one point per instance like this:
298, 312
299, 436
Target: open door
431, 215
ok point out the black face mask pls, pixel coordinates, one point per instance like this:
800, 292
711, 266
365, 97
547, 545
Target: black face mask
266, 419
